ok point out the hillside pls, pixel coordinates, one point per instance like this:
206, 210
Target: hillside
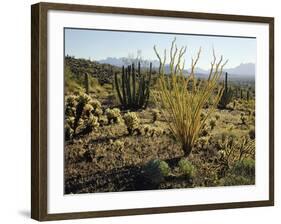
102, 72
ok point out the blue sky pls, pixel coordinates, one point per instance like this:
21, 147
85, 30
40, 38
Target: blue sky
99, 44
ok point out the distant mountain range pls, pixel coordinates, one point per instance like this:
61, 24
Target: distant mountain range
245, 69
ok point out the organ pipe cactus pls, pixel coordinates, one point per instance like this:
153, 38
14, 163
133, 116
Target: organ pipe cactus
226, 95
133, 89
248, 95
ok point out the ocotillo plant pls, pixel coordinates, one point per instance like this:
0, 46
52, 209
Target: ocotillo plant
133, 89
182, 101
241, 94
86, 82
226, 95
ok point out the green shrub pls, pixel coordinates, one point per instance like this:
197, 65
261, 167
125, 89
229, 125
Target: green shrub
242, 173
187, 168
245, 168
233, 180
155, 171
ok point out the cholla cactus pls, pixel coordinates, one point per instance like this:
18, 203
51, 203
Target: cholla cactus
243, 119
79, 117
212, 124
132, 122
119, 145
71, 100
98, 112
84, 98
70, 105
88, 108
103, 120
151, 131
95, 103
155, 115
89, 123
68, 133
217, 116
113, 115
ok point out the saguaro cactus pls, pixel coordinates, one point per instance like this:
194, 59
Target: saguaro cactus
227, 94
133, 88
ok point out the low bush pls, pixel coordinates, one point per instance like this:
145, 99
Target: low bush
155, 171
186, 168
233, 180
245, 168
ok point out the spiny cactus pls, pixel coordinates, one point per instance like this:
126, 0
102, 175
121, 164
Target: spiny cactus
155, 115
113, 115
79, 117
243, 119
151, 131
132, 122
226, 95
133, 92
212, 124
103, 120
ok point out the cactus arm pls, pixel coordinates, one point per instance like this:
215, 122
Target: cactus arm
134, 83
147, 86
118, 89
123, 87
128, 85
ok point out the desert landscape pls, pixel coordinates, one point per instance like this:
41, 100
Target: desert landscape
139, 126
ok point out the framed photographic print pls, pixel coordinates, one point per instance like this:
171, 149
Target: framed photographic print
140, 111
